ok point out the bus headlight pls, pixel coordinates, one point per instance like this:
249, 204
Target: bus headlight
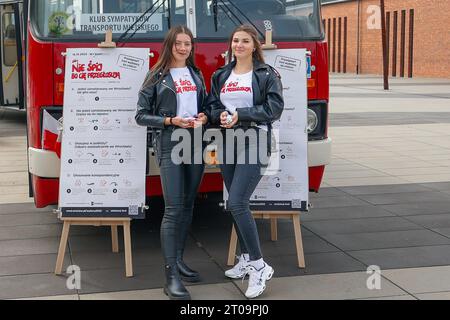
313, 121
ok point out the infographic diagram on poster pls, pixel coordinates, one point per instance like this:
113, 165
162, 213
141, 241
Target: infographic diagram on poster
285, 185
103, 159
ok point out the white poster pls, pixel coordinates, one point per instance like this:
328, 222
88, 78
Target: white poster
103, 159
285, 184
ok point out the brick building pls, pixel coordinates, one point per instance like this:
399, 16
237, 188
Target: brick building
418, 34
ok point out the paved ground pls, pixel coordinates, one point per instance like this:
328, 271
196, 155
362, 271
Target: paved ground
385, 202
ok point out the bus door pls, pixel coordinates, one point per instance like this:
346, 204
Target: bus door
11, 89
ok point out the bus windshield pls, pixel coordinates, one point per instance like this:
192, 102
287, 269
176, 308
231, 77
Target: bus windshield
288, 19
86, 19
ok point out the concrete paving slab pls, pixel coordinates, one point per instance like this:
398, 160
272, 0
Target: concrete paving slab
12, 190
431, 221
384, 189
53, 298
25, 247
443, 231
344, 167
383, 224
220, 291
324, 287
366, 181
34, 285
317, 263
327, 192
417, 171
102, 243
440, 162
151, 294
28, 219
145, 277
434, 296
286, 246
444, 177
30, 264
14, 208
344, 213
407, 209
30, 232
383, 240
404, 297
421, 280
112, 280
336, 202
14, 179
363, 173
109, 260
411, 164
394, 258
407, 197
15, 198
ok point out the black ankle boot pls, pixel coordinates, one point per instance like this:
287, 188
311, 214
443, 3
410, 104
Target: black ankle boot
186, 273
174, 288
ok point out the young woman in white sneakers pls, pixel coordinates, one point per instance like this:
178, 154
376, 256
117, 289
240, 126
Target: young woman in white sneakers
246, 94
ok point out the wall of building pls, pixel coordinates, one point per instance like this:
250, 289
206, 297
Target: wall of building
421, 37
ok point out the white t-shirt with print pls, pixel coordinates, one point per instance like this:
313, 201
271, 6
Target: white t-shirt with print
186, 90
237, 92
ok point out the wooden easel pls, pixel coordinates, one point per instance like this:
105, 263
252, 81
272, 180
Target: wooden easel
98, 222
272, 215
112, 222
108, 43
268, 45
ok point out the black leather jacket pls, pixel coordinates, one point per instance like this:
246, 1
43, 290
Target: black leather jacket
157, 101
268, 103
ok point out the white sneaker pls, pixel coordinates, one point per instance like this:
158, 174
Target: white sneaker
239, 270
257, 281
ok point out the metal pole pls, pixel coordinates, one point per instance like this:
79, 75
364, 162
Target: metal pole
384, 42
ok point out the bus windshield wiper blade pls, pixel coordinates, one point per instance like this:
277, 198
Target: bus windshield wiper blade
229, 12
214, 5
246, 17
126, 32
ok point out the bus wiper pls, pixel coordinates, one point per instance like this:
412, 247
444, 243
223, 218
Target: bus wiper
126, 32
228, 11
246, 17
214, 5
169, 15
230, 14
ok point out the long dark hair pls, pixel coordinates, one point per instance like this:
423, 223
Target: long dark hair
166, 57
257, 54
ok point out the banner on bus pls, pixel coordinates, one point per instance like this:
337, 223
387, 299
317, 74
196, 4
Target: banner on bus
285, 183
103, 160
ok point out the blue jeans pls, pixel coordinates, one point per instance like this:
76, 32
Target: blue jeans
241, 181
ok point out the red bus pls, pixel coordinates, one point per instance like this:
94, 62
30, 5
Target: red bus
54, 26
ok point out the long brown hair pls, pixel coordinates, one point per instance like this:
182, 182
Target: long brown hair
166, 57
257, 54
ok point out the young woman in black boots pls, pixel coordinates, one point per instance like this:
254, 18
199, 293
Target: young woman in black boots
246, 97
171, 99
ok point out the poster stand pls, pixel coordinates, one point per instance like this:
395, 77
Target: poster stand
272, 215
98, 222
108, 43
